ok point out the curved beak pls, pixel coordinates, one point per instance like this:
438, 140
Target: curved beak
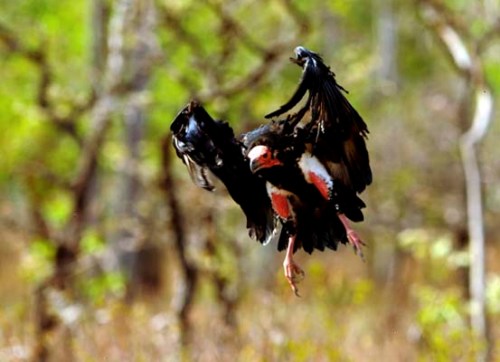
260, 157
255, 165
299, 62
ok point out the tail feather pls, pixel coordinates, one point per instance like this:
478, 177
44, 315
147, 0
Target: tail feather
318, 230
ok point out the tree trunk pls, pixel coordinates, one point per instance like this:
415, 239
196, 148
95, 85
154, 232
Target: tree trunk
468, 63
133, 252
387, 70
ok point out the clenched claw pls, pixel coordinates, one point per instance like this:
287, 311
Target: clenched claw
356, 242
352, 236
294, 274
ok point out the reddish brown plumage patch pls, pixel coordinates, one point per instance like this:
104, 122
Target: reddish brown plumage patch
281, 205
320, 184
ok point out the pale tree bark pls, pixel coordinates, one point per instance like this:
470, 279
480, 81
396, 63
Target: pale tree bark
48, 318
51, 301
384, 258
127, 241
99, 48
84, 192
468, 143
467, 61
386, 32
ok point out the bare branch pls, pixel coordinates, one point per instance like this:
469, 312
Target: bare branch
38, 57
185, 296
101, 117
447, 34
482, 116
234, 31
233, 27
469, 65
301, 19
252, 79
173, 22
445, 15
87, 167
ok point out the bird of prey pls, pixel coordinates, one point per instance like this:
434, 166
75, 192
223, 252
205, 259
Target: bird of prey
298, 176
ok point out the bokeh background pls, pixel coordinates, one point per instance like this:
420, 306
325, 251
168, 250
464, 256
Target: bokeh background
109, 252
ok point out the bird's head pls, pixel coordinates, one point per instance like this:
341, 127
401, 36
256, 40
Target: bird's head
303, 55
262, 157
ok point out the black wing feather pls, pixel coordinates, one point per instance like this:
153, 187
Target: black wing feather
211, 145
296, 98
342, 122
335, 128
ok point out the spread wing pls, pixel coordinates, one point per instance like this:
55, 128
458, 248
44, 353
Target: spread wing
334, 129
204, 145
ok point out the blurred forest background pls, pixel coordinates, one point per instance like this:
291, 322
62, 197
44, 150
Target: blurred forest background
109, 252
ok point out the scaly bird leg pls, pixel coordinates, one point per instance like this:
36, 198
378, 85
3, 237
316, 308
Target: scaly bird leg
352, 235
293, 273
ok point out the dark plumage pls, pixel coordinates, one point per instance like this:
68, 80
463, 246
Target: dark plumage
304, 168
335, 128
315, 224
205, 144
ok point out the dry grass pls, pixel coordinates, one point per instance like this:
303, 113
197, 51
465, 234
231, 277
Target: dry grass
343, 315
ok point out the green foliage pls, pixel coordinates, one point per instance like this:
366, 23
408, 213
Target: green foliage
92, 243
102, 284
338, 291
58, 209
492, 72
493, 294
434, 250
442, 312
442, 320
36, 263
100, 287
347, 311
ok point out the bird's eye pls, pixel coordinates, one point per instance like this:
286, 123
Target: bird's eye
265, 155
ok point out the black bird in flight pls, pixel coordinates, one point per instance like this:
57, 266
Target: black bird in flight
299, 175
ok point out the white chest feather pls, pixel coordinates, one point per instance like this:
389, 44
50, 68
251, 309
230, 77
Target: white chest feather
315, 173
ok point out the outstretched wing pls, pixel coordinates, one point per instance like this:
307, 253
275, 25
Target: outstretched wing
333, 127
204, 144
